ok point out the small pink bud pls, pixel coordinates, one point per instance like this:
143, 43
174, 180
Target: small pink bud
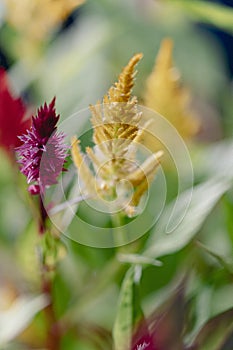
34, 189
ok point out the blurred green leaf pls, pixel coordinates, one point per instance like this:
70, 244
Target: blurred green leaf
129, 310
214, 14
228, 206
26, 253
94, 336
221, 299
138, 259
216, 160
204, 198
15, 319
221, 259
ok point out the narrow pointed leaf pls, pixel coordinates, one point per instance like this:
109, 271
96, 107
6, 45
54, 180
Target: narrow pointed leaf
129, 313
204, 197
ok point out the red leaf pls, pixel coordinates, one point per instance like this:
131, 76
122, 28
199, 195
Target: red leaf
13, 121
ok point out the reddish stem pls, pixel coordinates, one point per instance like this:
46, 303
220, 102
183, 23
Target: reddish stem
43, 216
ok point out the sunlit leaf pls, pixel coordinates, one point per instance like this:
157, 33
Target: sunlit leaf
216, 160
204, 198
15, 319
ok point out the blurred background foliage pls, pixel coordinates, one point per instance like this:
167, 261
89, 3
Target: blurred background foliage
74, 50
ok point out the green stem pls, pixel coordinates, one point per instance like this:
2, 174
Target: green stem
53, 332
120, 233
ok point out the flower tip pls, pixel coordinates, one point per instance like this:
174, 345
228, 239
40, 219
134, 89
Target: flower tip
52, 103
167, 43
130, 211
139, 55
136, 58
158, 155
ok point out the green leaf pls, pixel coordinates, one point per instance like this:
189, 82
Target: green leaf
214, 14
15, 319
215, 160
129, 311
204, 198
228, 206
138, 259
228, 265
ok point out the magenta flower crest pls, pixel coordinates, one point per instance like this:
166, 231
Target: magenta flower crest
43, 151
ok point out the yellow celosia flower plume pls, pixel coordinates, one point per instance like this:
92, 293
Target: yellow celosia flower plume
165, 95
116, 131
35, 20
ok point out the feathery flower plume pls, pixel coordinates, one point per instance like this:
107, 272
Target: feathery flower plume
31, 17
42, 140
166, 96
116, 132
34, 22
13, 121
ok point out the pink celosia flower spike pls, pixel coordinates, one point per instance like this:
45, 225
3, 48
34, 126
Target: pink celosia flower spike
43, 152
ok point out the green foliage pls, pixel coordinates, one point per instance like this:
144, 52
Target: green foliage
212, 13
204, 198
173, 284
129, 313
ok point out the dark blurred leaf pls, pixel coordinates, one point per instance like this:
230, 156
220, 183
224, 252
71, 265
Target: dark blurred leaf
166, 324
214, 333
228, 343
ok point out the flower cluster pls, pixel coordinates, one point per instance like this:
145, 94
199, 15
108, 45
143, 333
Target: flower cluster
166, 95
118, 127
13, 121
43, 151
27, 16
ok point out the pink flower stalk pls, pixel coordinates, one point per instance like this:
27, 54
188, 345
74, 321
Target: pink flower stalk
43, 152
